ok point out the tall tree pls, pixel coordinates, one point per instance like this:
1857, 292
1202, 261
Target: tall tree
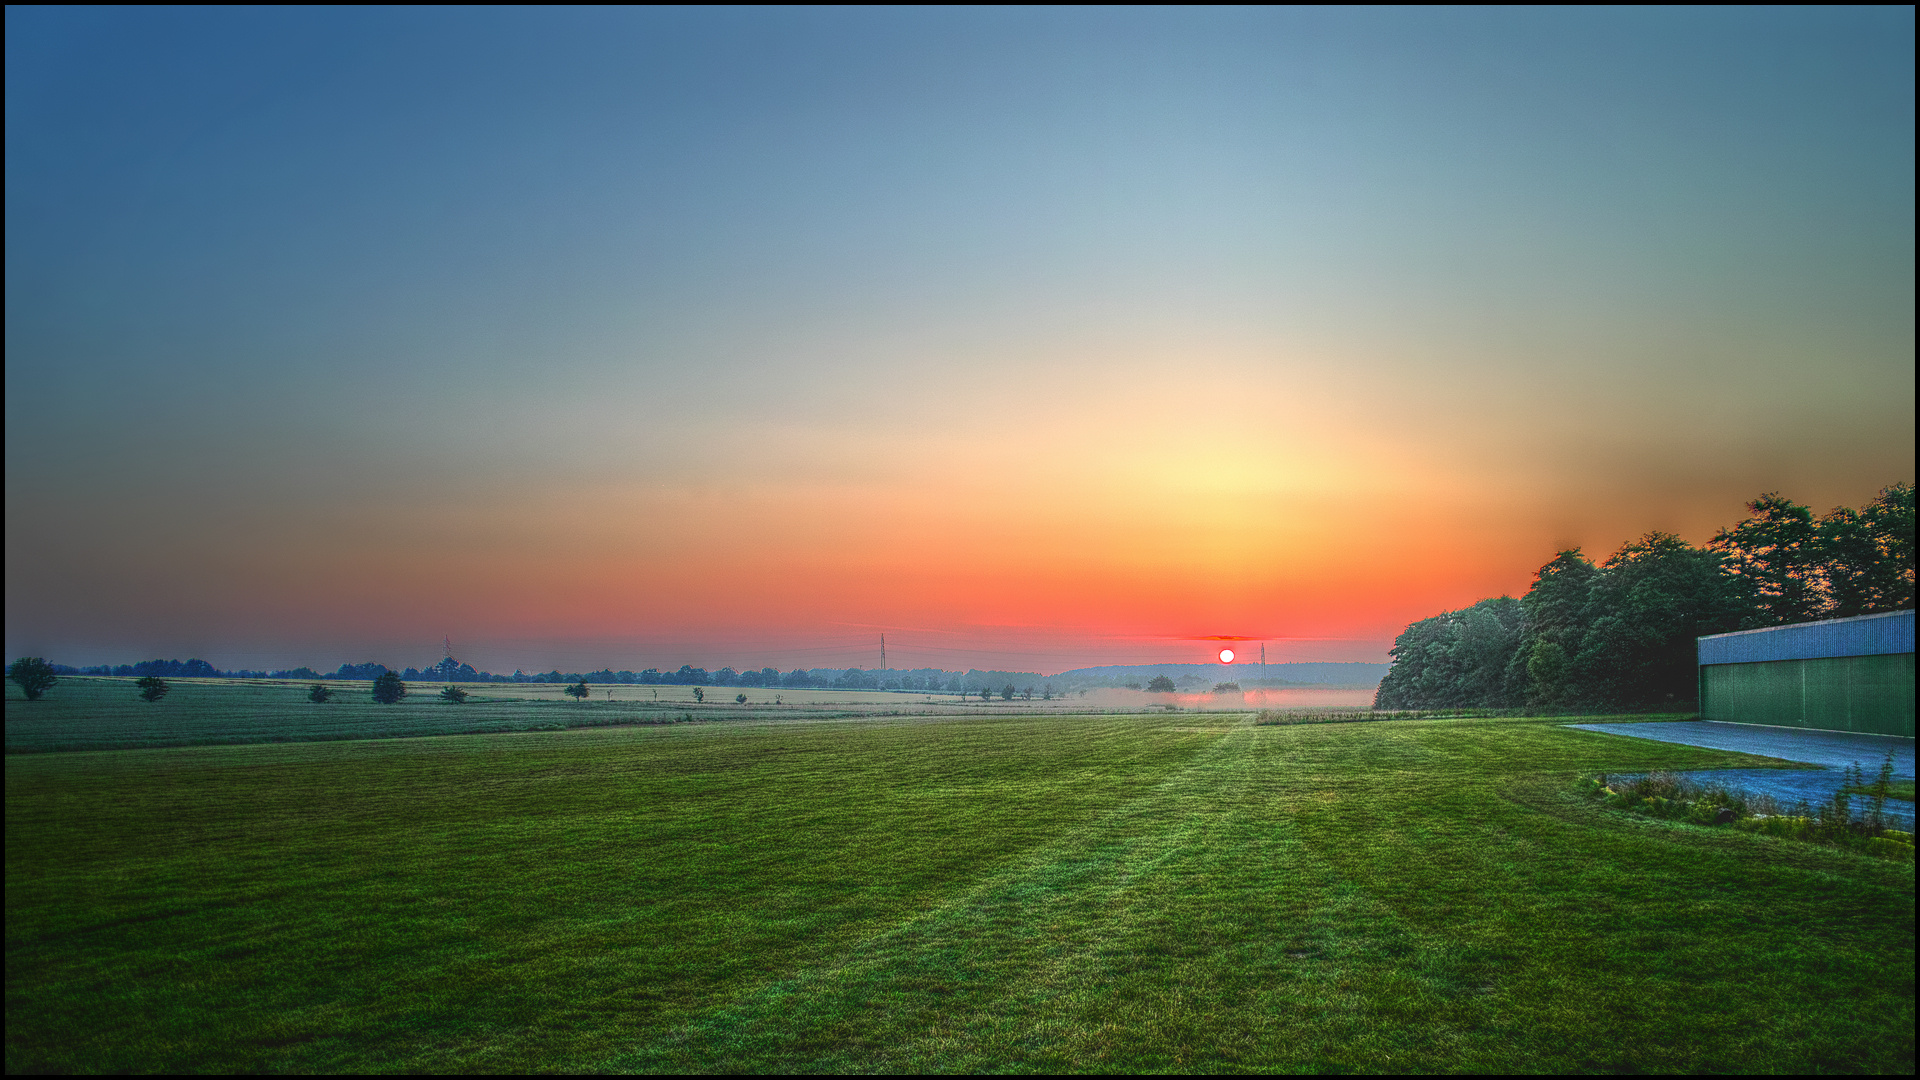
1652, 599
1556, 605
1866, 555
1541, 670
1777, 550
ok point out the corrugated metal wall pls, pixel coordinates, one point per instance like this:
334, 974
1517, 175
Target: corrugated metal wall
1862, 635
1842, 693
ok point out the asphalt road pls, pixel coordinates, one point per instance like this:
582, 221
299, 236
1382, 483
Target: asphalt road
1832, 751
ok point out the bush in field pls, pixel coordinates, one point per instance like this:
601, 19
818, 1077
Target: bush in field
699, 694
152, 689
34, 675
578, 691
1006, 692
453, 694
1160, 685
739, 699
388, 689
319, 694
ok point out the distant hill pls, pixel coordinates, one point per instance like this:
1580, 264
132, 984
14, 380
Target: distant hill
1350, 674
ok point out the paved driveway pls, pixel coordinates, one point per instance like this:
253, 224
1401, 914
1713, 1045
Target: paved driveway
1836, 749
1832, 751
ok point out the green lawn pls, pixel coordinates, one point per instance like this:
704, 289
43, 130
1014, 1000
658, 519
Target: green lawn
1895, 790
1173, 892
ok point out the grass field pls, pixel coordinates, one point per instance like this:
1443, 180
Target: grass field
1091, 893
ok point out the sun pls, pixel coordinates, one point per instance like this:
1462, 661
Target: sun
1226, 656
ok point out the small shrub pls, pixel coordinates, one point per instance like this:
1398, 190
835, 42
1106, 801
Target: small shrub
1785, 826
319, 694
453, 694
152, 688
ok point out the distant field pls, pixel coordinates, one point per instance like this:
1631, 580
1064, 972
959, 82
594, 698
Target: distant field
99, 713
93, 713
974, 893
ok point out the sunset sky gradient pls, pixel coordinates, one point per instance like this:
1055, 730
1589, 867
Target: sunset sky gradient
1030, 338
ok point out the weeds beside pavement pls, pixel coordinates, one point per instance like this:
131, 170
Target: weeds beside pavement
1832, 823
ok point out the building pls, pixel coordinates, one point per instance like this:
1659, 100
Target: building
1838, 675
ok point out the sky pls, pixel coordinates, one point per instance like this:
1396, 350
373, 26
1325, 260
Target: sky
1031, 339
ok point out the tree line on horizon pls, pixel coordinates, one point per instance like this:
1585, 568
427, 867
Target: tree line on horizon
1620, 635
918, 680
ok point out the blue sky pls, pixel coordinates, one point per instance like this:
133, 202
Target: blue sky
995, 313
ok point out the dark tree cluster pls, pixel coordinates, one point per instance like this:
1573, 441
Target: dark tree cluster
164, 669
450, 670
1620, 635
1850, 562
183, 669
919, 680
442, 672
